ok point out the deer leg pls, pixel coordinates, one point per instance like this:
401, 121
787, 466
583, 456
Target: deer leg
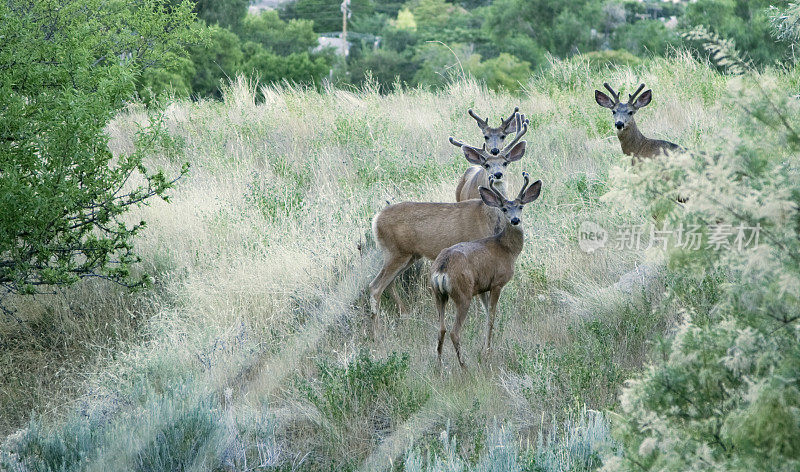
484, 297
491, 311
440, 299
391, 267
401, 307
462, 307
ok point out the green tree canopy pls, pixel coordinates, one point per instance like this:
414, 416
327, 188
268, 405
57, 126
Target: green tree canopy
66, 67
744, 21
326, 14
226, 13
280, 37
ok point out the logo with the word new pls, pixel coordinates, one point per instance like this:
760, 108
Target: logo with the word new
591, 236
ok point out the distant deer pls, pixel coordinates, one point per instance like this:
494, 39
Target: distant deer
492, 163
633, 142
409, 230
481, 267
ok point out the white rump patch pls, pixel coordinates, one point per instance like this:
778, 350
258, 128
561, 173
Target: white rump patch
440, 282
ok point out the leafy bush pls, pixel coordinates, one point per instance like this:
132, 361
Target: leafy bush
501, 455
502, 72
574, 445
169, 433
363, 401
63, 194
725, 394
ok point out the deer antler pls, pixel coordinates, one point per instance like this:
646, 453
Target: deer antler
454, 142
506, 121
524, 185
614, 94
494, 189
522, 128
481, 123
632, 98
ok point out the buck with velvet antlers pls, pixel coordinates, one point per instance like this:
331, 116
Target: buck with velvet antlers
407, 231
494, 161
633, 142
481, 267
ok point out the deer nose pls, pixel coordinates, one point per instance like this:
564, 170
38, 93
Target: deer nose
619, 124
515, 221
495, 151
498, 175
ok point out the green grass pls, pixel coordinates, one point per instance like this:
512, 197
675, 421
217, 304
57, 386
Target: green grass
251, 349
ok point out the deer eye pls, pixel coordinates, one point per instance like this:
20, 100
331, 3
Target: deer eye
503, 137
486, 138
630, 113
505, 164
486, 166
505, 210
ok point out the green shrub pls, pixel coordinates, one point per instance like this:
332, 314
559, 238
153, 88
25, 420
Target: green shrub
361, 401
62, 193
725, 394
501, 454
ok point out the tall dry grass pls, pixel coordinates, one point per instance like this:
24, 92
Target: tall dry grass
262, 258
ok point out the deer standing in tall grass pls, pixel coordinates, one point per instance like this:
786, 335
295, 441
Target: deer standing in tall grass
633, 142
407, 231
481, 267
489, 160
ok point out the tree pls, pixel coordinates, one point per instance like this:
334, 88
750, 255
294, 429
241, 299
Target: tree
218, 59
746, 22
299, 67
66, 67
561, 27
280, 37
502, 72
225, 13
642, 37
326, 14
385, 67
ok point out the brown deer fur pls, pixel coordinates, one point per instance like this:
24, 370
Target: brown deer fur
633, 142
410, 230
486, 163
481, 267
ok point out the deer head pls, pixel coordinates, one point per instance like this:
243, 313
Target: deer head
623, 112
494, 137
495, 163
512, 210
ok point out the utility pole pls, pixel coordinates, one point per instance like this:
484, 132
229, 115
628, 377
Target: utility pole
345, 45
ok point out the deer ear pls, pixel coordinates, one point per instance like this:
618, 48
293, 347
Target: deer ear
516, 152
644, 99
472, 155
603, 100
532, 192
489, 197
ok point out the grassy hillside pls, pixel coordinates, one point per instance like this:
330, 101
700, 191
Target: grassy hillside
252, 348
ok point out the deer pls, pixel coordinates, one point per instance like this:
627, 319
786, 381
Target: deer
490, 161
633, 142
408, 231
482, 267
